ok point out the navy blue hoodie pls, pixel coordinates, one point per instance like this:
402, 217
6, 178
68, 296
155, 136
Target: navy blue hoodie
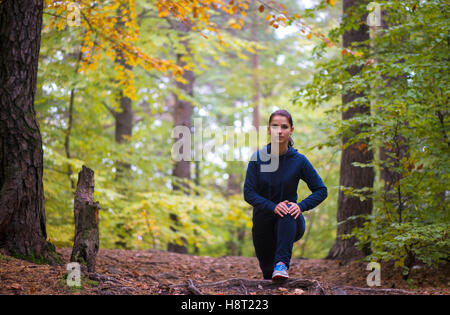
264, 190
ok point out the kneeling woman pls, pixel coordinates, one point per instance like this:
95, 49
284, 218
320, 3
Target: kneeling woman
277, 217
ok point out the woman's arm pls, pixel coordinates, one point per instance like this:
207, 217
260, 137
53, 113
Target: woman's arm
315, 184
250, 194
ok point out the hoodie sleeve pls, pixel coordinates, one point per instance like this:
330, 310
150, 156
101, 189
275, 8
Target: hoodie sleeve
250, 194
315, 184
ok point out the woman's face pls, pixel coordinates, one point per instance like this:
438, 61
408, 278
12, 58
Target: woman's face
280, 129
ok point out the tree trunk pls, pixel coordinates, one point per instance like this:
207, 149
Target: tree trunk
182, 117
351, 176
70, 123
124, 118
123, 130
124, 122
254, 61
22, 213
86, 240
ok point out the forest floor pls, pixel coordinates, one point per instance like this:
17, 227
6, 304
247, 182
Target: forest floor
160, 272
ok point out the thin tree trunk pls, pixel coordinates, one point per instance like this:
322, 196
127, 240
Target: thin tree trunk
69, 125
254, 61
123, 130
351, 176
22, 213
124, 126
123, 118
182, 117
398, 149
391, 153
67, 137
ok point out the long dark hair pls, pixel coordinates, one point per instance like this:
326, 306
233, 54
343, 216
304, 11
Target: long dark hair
285, 113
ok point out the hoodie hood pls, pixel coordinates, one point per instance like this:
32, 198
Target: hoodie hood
291, 151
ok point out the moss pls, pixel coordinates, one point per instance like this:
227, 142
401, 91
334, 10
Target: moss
85, 281
90, 282
82, 260
62, 282
50, 257
80, 255
53, 255
39, 260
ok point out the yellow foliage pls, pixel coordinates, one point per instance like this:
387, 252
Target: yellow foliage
110, 28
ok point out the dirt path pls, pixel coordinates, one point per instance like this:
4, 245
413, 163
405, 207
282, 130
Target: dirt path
159, 272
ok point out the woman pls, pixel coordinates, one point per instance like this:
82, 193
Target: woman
277, 217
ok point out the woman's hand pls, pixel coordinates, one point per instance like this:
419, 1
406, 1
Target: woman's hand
294, 209
281, 209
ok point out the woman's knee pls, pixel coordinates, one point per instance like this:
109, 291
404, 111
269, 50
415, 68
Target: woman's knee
287, 219
301, 227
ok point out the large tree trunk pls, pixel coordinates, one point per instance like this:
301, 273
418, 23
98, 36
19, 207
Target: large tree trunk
22, 214
351, 176
182, 117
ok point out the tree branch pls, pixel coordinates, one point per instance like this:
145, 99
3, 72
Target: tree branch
110, 109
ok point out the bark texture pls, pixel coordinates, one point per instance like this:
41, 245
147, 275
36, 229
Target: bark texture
22, 214
86, 240
351, 176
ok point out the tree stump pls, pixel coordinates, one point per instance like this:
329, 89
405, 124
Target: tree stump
86, 240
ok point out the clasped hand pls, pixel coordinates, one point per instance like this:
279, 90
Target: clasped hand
282, 209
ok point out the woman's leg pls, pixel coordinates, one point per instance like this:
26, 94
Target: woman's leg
271, 246
286, 230
264, 241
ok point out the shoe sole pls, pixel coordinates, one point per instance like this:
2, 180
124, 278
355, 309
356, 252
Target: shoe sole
279, 277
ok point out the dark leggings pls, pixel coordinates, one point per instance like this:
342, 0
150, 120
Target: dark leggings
273, 238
